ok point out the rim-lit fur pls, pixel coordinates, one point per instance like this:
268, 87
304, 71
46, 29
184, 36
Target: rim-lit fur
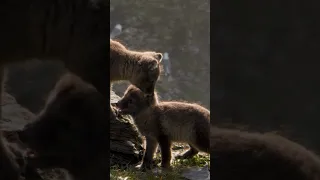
140, 68
165, 122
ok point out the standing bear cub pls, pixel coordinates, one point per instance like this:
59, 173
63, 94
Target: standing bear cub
71, 131
164, 122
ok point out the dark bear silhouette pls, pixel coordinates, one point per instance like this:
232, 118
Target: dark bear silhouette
74, 33
254, 156
71, 132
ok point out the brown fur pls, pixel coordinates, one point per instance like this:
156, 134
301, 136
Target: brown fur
73, 32
164, 122
71, 130
141, 68
241, 155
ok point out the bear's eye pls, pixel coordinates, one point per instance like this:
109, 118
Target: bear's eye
130, 101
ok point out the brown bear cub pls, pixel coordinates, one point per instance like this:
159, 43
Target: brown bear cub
141, 68
253, 156
164, 122
71, 131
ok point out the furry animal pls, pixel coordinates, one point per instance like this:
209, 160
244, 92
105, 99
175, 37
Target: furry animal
141, 68
71, 131
251, 156
164, 122
72, 31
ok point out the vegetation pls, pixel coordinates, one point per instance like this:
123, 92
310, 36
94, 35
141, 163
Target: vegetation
130, 173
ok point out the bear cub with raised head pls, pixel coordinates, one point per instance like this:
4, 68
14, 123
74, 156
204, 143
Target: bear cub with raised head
165, 122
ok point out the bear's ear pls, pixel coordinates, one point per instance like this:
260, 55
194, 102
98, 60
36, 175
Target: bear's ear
159, 57
153, 65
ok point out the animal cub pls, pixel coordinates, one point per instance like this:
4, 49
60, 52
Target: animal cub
140, 68
164, 122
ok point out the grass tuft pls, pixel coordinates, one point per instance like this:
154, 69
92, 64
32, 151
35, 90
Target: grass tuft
130, 173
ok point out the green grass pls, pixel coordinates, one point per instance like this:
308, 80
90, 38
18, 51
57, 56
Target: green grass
178, 165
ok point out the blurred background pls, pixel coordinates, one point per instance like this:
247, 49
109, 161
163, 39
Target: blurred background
265, 67
181, 31
180, 28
